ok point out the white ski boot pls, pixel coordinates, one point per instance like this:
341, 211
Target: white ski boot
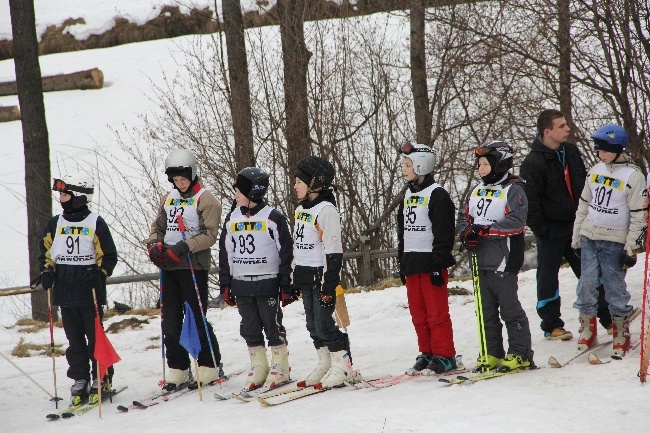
279, 373
259, 368
339, 372
324, 363
175, 378
588, 333
621, 337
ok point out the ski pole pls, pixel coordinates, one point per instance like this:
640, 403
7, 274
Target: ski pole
181, 225
56, 397
479, 310
645, 328
27, 376
162, 331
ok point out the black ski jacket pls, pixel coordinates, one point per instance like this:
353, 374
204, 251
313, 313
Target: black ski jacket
548, 195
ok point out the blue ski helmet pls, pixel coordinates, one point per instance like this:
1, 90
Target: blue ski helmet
610, 138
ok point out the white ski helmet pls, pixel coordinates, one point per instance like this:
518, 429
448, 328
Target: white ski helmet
423, 157
78, 185
180, 162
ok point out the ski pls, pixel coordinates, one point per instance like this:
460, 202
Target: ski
163, 396
553, 362
250, 395
80, 409
288, 395
389, 381
483, 376
595, 360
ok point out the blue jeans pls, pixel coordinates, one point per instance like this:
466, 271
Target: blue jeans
602, 259
320, 321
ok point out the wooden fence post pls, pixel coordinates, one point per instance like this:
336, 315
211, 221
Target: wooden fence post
366, 264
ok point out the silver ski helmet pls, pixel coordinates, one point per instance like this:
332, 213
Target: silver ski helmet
180, 162
78, 185
610, 138
253, 183
423, 157
500, 156
316, 172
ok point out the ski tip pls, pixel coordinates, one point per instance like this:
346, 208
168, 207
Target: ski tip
122, 408
554, 362
52, 416
67, 415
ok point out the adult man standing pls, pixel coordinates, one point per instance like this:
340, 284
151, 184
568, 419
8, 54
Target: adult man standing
554, 174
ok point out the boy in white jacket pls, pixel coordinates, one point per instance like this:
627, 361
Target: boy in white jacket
608, 230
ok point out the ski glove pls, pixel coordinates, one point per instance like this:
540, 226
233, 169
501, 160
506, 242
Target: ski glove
468, 239
288, 294
479, 230
436, 278
47, 278
628, 260
402, 278
94, 277
156, 253
175, 253
227, 297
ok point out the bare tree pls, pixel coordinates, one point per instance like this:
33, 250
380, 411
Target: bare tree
419, 74
240, 101
35, 137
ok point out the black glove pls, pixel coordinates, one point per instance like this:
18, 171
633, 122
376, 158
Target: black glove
47, 278
175, 253
479, 230
288, 294
627, 260
94, 277
436, 278
227, 297
577, 251
402, 278
156, 253
468, 239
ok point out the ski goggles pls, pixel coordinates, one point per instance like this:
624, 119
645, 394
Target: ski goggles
407, 148
60, 186
482, 151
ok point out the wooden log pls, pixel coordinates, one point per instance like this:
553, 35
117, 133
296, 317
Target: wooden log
82, 80
8, 114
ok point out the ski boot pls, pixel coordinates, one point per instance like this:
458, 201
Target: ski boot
339, 372
621, 337
207, 375
513, 362
324, 363
93, 395
279, 373
442, 364
422, 361
79, 392
176, 378
588, 333
259, 368
487, 364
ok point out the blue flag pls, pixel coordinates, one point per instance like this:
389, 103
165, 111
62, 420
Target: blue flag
189, 334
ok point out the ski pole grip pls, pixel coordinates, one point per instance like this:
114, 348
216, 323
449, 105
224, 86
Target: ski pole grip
181, 224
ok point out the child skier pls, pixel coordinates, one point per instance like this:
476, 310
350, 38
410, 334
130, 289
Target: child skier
425, 222
318, 254
201, 214
492, 226
77, 253
609, 228
255, 253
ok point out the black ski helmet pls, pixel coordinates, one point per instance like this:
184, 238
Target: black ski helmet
500, 155
316, 172
253, 183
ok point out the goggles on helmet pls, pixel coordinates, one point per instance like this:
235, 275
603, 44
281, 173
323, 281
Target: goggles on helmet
407, 148
482, 151
61, 186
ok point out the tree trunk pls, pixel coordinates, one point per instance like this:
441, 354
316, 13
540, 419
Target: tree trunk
240, 101
35, 137
419, 85
295, 57
564, 65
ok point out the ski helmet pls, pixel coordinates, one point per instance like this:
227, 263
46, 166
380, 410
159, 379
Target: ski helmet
610, 138
423, 157
316, 172
79, 186
253, 183
500, 155
180, 162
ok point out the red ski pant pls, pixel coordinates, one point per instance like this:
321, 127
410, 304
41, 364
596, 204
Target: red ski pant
430, 314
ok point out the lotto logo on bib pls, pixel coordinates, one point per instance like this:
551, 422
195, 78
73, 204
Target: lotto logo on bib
248, 226
610, 182
305, 217
415, 200
487, 192
76, 231
181, 202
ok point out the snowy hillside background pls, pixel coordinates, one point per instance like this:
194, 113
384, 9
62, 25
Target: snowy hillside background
578, 398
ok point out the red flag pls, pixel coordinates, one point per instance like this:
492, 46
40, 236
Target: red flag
104, 354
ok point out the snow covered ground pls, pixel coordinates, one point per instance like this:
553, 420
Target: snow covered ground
578, 398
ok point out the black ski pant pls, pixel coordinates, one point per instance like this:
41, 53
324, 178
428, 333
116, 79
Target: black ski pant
499, 296
178, 288
550, 254
320, 321
79, 327
261, 313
